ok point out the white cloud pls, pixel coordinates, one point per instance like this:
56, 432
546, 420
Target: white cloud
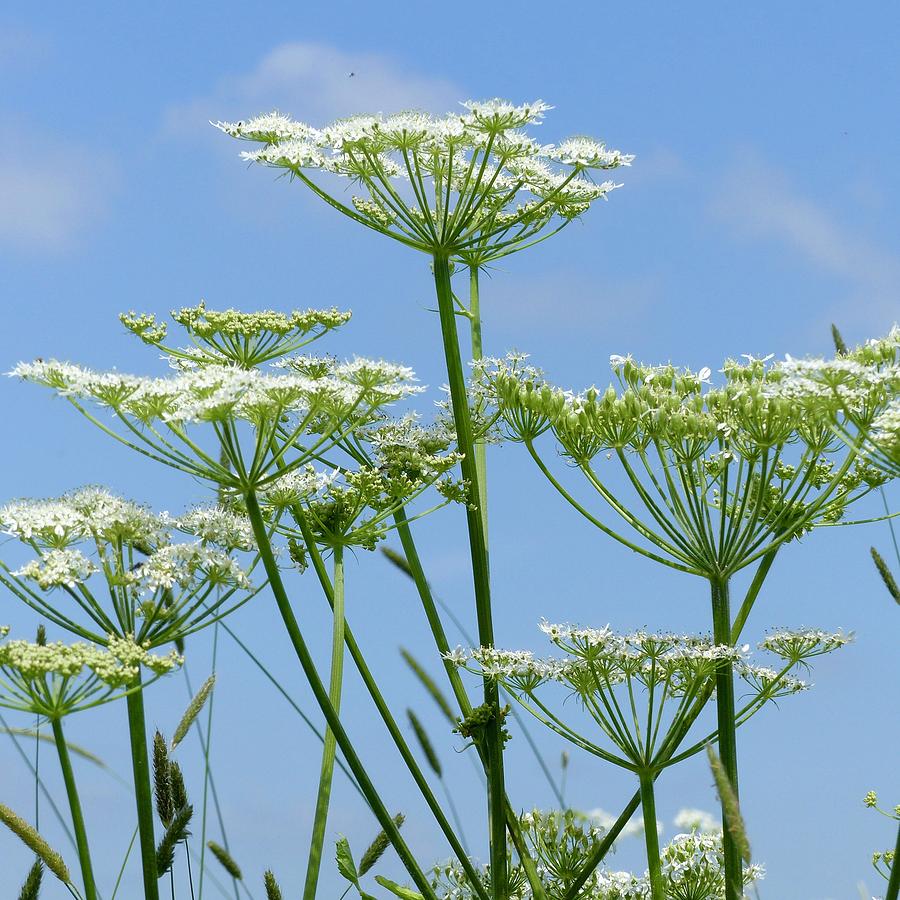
313, 82
759, 203
51, 195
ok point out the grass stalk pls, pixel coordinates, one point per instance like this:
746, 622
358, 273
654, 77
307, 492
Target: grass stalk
329, 745
84, 853
143, 795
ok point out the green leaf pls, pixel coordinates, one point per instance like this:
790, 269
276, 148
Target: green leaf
345, 863
404, 893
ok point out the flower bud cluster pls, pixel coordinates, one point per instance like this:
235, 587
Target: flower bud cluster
232, 337
55, 679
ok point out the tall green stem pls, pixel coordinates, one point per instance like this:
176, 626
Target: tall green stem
329, 745
331, 717
84, 853
651, 837
477, 353
493, 740
725, 713
143, 796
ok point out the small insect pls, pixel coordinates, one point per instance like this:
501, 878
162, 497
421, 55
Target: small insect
351, 74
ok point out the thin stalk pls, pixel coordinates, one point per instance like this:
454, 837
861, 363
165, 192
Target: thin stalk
651, 837
309, 668
894, 883
84, 853
725, 714
329, 746
477, 353
137, 731
493, 740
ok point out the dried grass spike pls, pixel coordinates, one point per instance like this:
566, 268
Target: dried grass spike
175, 833
429, 684
886, 575
30, 837
376, 849
32, 887
226, 859
425, 743
731, 809
194, 708
273, 892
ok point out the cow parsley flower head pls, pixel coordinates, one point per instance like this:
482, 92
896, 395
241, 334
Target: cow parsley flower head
58, 568
716, 474
233, 337
473, 185
56, 679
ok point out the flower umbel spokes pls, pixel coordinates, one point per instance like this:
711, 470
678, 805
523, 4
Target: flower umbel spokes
644, 691
471, 185
114, 562
714, 477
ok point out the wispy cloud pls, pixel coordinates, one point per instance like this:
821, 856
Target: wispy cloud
52, 194
759, 203
315, 82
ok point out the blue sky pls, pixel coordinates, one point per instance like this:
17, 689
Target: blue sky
762, 206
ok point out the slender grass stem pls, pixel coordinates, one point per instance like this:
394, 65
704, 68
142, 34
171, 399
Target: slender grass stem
725, 714
651, 837
84, 853
493, 740
329, 745
309, 668
137, 731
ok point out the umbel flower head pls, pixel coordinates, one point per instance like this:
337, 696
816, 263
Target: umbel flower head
388, 466
473, 185
115, 562
323, 400
860, 390
232, 337
692, 865
57, 679
608, 672
714, 476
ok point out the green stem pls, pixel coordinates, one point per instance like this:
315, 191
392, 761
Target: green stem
477, 353
333, 721
651, 836
143, 796
894, 883
493, 741
84, 853
725, 713
329, 745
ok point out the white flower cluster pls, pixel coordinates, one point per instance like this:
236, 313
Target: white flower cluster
804, 643
217, 393
182, 564
89, 512
58, 567
482, 154
300, 485
217, 525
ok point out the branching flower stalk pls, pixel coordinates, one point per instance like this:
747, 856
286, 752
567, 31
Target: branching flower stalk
609, 675
725, 476
53, 680
297, 420
450, 187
